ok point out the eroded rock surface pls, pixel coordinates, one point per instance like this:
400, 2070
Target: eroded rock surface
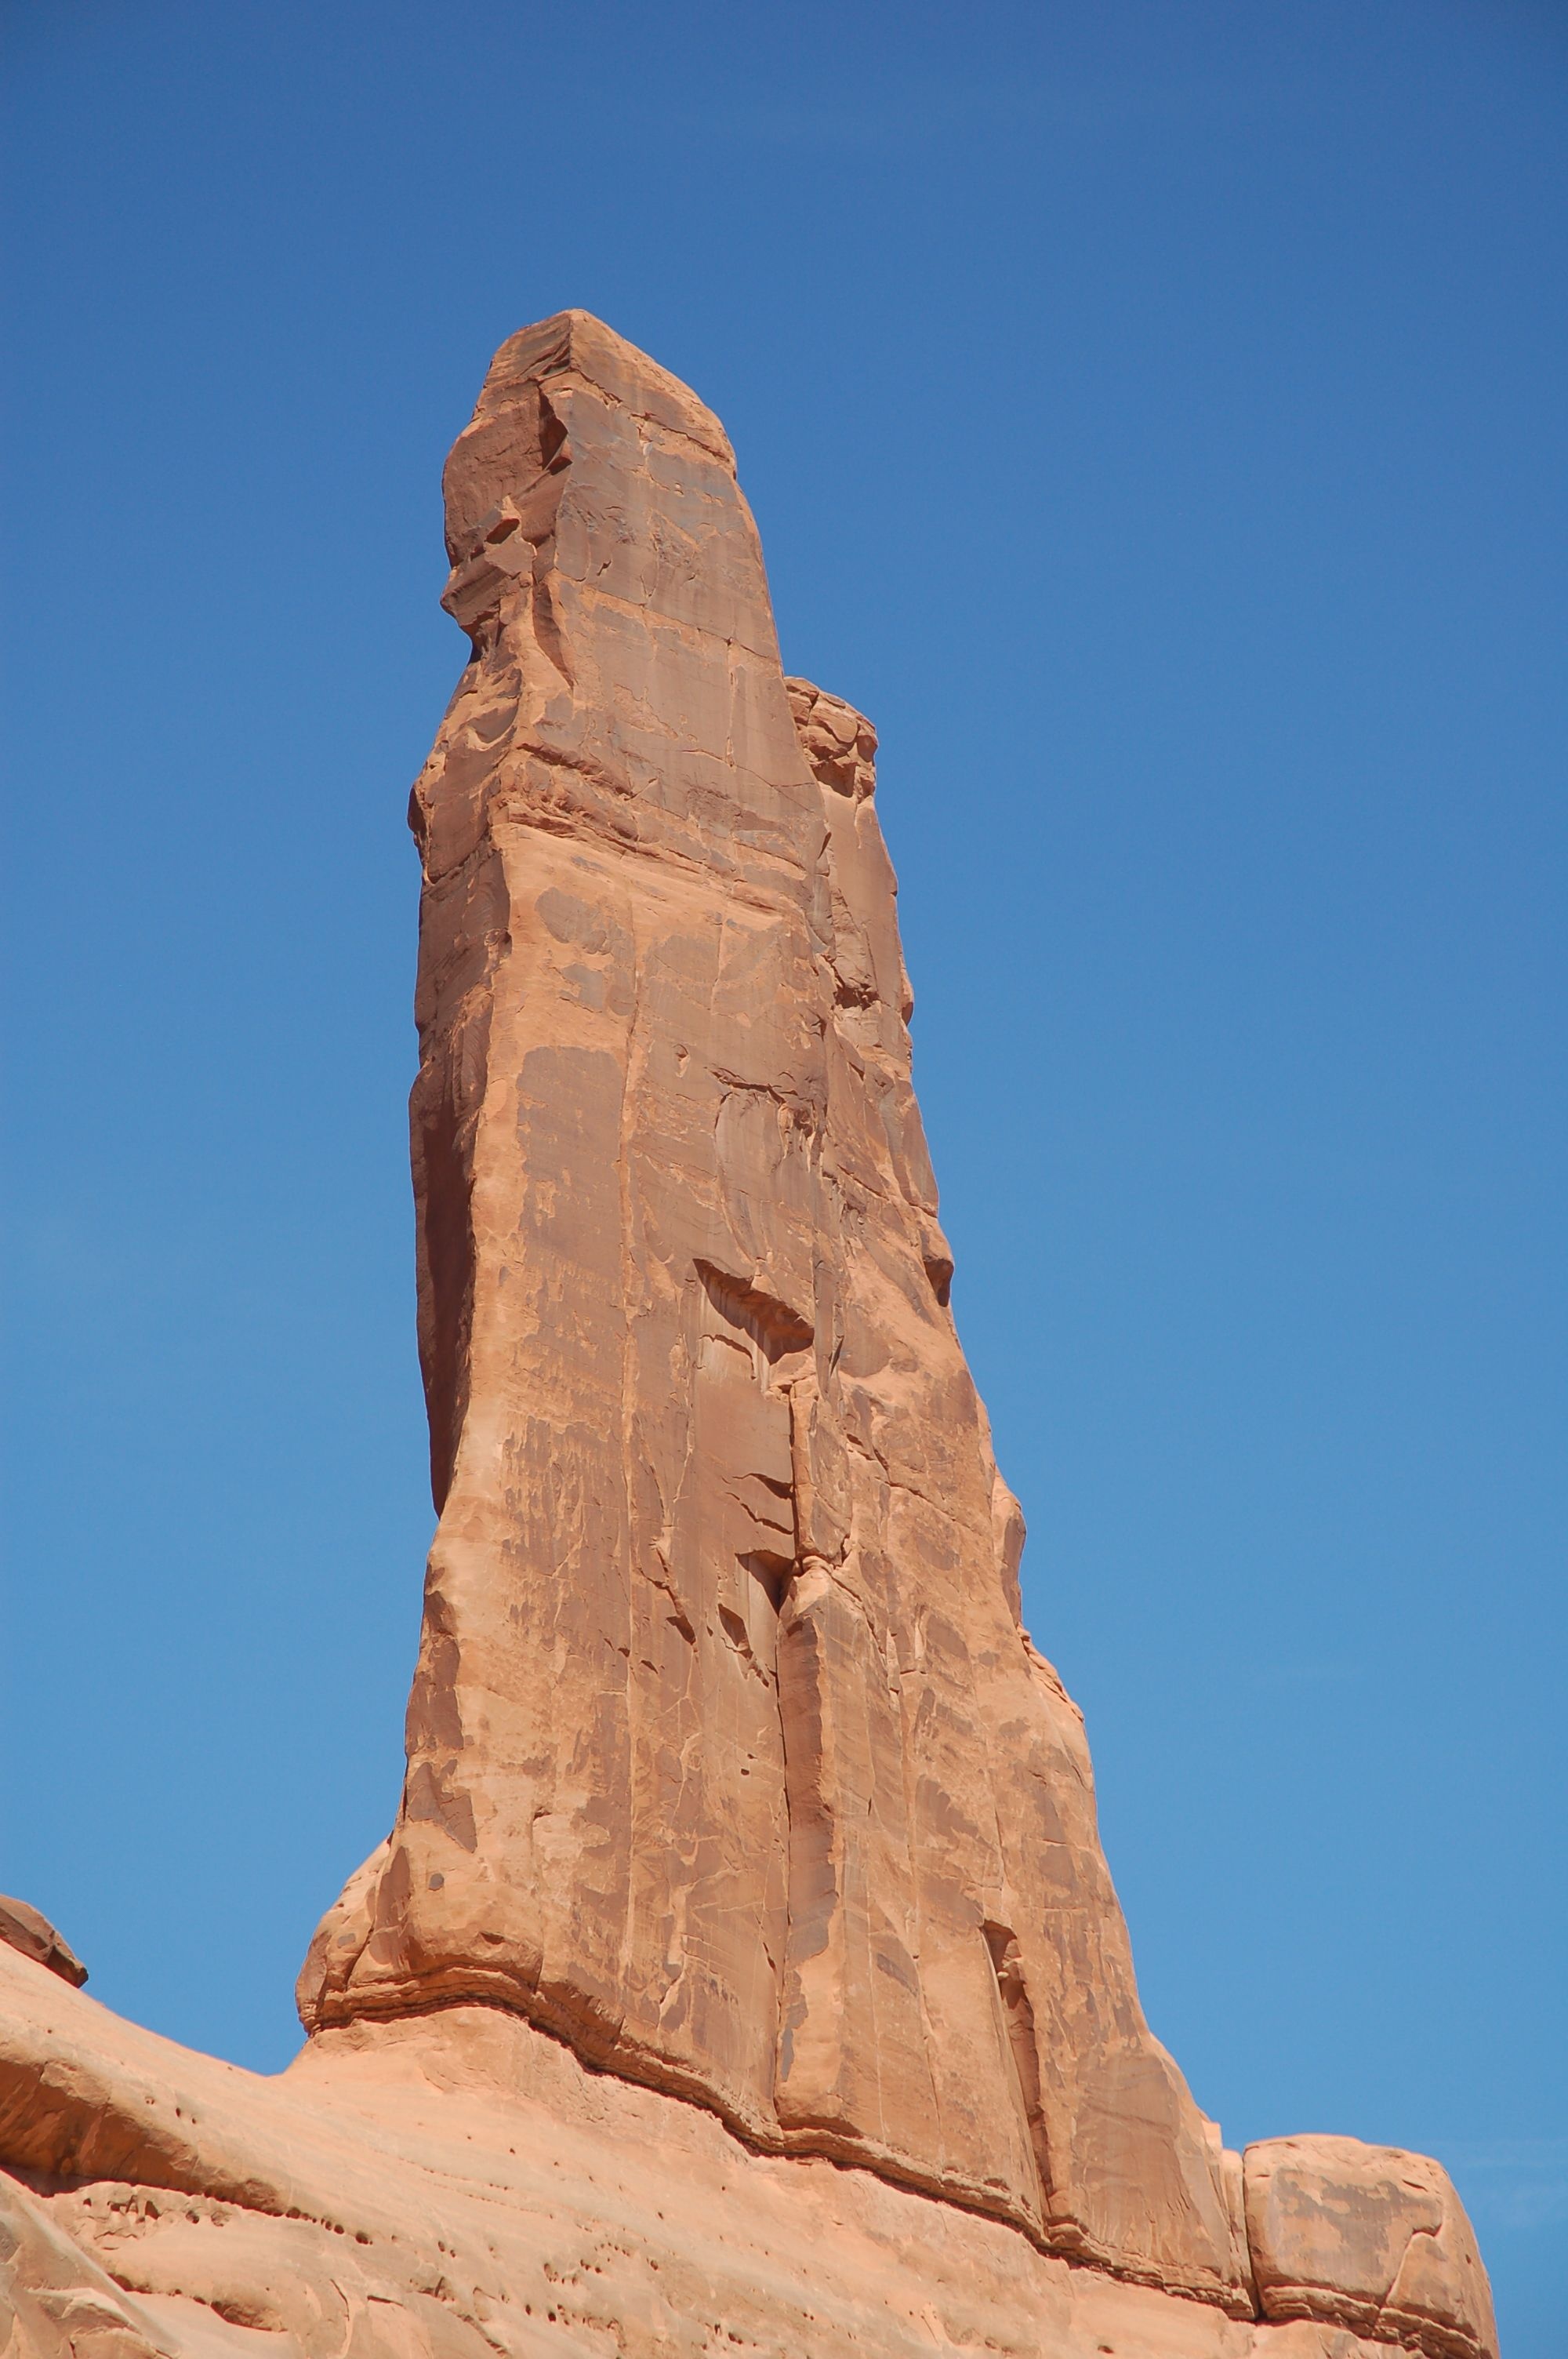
742, 1971
25, 1928
728, 1758
459, 2185
1368, 2237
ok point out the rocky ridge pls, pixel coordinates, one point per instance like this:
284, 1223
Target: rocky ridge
747, 1868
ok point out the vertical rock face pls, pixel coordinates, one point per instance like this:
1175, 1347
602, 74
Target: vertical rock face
728, 1758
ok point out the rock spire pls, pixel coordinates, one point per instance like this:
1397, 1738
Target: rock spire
744, 1832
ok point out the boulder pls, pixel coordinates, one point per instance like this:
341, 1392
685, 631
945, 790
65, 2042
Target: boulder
1369, 2238
730, 1760
24, 1929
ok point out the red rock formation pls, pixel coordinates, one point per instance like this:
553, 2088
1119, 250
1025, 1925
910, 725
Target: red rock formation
1369, 2238
22, 1927
728, 1758
732, 1772
458, 2185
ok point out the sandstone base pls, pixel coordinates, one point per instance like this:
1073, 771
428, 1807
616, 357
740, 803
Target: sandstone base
380, 2200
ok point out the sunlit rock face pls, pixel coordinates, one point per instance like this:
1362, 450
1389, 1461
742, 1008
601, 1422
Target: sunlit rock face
728, 1758
744, 1834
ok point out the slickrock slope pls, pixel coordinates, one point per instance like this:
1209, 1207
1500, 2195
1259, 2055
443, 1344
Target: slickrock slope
732, 1772
458, 2185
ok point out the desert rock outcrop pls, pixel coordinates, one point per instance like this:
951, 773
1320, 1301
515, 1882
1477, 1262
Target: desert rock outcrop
728, 1758
1370, 2237
458, 2185
24, 1928
746, 1870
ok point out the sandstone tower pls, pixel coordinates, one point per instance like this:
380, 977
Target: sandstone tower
747, 1852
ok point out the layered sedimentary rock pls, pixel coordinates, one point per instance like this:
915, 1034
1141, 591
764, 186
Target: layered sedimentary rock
1369, 2238
458, 2185
745, 1836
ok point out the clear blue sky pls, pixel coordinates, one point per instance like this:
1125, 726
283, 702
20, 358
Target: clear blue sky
1155, 417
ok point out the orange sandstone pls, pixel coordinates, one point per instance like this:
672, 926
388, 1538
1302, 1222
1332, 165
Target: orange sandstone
743, 1964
